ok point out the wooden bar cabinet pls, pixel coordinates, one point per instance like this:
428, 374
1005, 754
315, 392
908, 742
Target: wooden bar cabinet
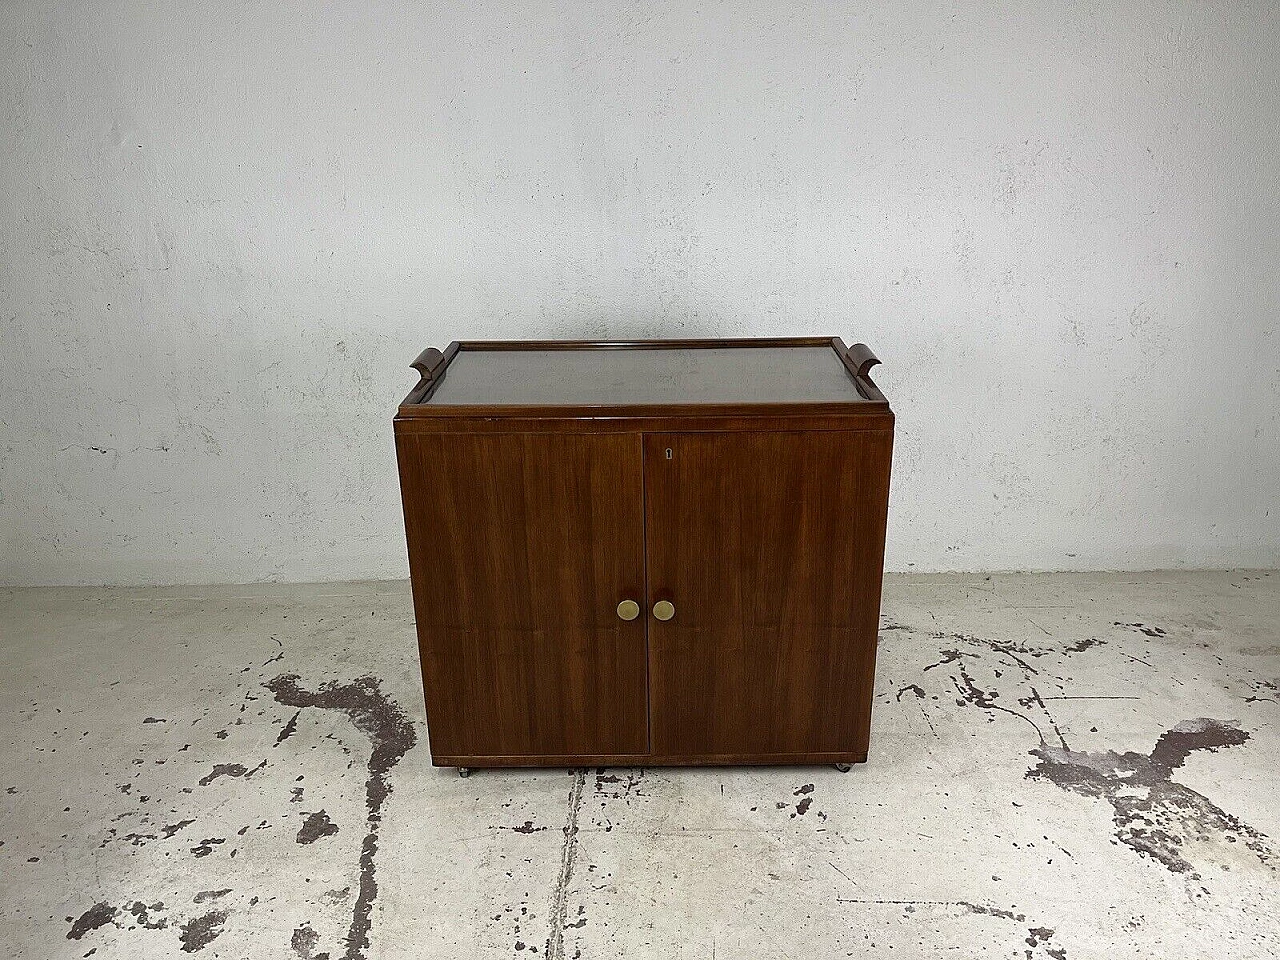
645, 553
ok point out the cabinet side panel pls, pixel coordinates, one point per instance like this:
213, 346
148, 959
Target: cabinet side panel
870, 527
521, 547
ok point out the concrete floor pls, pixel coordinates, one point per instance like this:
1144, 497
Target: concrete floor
1061, 766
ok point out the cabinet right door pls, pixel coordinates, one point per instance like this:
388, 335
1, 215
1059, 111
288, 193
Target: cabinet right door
769, 549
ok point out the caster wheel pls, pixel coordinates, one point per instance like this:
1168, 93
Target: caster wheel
844, 767
464, 771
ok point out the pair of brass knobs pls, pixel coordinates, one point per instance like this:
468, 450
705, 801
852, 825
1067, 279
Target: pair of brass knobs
662, 610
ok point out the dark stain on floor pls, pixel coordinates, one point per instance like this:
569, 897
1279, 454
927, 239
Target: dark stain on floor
229, 770
1150, 631
204, 895
1019, 653
558, 912
288, 729
170, 829
948, 656
391, 735
1036, 936
99, 915
194, 935
1039, 935
526, 827
986, 910
1156, 816
970, 694
612, 786
206, 846
316, 826
1258, 686
304, 944
142, 914
199, 933
806, 801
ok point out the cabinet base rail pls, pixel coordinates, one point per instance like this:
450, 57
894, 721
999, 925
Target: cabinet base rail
469, 763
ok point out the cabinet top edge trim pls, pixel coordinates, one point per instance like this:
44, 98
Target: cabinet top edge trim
853, 410
433, 365
413, 425
671, 344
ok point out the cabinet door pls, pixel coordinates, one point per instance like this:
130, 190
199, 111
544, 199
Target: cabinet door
770, 548
521, 547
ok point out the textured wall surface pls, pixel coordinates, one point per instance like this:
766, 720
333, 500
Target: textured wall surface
227, 228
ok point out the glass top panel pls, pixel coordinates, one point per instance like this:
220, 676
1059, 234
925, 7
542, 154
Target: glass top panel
615, 377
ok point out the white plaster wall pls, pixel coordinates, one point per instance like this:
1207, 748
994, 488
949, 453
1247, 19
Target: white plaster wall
227, 229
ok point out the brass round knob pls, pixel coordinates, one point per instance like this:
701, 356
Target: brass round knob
628, 610
664, 610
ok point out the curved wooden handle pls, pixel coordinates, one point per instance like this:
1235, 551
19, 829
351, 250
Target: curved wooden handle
863, 359
431, 364
859, 360
429, 360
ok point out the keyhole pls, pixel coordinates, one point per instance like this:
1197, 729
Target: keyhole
668, 453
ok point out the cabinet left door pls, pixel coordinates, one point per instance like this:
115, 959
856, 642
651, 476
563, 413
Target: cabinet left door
521, 547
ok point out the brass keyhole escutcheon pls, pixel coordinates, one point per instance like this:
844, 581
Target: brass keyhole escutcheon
664, 610
628, 610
